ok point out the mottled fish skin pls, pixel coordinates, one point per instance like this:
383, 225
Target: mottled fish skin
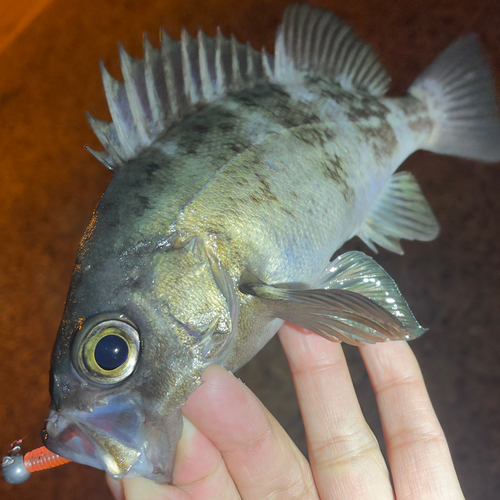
350, 141
266, 181
260, 138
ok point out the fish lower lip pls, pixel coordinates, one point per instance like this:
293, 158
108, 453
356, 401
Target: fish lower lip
117, 457
87, 444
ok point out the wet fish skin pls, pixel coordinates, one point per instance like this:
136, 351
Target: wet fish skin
264, 181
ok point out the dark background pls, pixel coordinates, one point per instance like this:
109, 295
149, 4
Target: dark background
49, 185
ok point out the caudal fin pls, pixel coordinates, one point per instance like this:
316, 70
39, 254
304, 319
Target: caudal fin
459, 91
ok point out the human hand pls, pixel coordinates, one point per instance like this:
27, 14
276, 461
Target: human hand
232, 447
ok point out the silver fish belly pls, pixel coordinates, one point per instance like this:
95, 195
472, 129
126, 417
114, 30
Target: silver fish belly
237, 175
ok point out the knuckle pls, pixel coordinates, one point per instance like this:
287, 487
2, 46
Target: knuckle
397, 382
415, 437
299, 489
252, 446
346, 448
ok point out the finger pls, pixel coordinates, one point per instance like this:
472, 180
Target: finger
418, 454
199, 468
116, 487
199, 473
261, 458
140, 488
345, 456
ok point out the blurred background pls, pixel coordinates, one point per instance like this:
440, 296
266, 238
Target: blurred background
49, 186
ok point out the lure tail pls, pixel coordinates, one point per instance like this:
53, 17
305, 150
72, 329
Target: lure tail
459, 91
17, 469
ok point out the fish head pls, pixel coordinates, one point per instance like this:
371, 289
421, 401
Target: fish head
103, 412
127, 357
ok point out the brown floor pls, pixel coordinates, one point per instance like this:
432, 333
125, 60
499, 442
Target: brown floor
50, 184
16, 16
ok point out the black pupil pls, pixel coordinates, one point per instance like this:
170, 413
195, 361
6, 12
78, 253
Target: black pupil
111, 352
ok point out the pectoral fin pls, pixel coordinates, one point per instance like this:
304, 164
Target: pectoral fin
355, 301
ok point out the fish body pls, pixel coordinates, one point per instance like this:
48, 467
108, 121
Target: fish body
237, 175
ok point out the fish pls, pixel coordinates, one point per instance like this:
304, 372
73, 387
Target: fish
237, 175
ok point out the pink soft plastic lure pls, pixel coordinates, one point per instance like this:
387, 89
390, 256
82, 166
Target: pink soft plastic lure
16, 468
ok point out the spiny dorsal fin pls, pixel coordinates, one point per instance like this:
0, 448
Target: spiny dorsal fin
168, 84
314, 41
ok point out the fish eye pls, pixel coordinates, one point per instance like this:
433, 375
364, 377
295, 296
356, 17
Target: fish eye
105, 350
111, 351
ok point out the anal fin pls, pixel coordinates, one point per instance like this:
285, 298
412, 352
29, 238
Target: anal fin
354, 301
401, 211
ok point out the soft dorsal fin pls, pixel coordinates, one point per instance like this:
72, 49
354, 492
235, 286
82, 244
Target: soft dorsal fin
314, 41
168, 84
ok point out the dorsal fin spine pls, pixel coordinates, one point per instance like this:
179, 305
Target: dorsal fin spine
100, 128
203, 55
250, 67
106, 133
101, 156
282, 63
235, 63
132, 73
155, 84
219, 62
187, 72
167, 57
118, 108
266, 64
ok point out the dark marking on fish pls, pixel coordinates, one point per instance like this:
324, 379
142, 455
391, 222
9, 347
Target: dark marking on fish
141, 204
358, 106
225, 126
412, 106
381, 138
200, 128
288, 212
417, 114
275, 103
265, 188
333, 169
313, 136
421, 124
247, 99
151, 169
361, 108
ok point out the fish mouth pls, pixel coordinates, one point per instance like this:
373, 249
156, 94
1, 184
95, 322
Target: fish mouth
111, 437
